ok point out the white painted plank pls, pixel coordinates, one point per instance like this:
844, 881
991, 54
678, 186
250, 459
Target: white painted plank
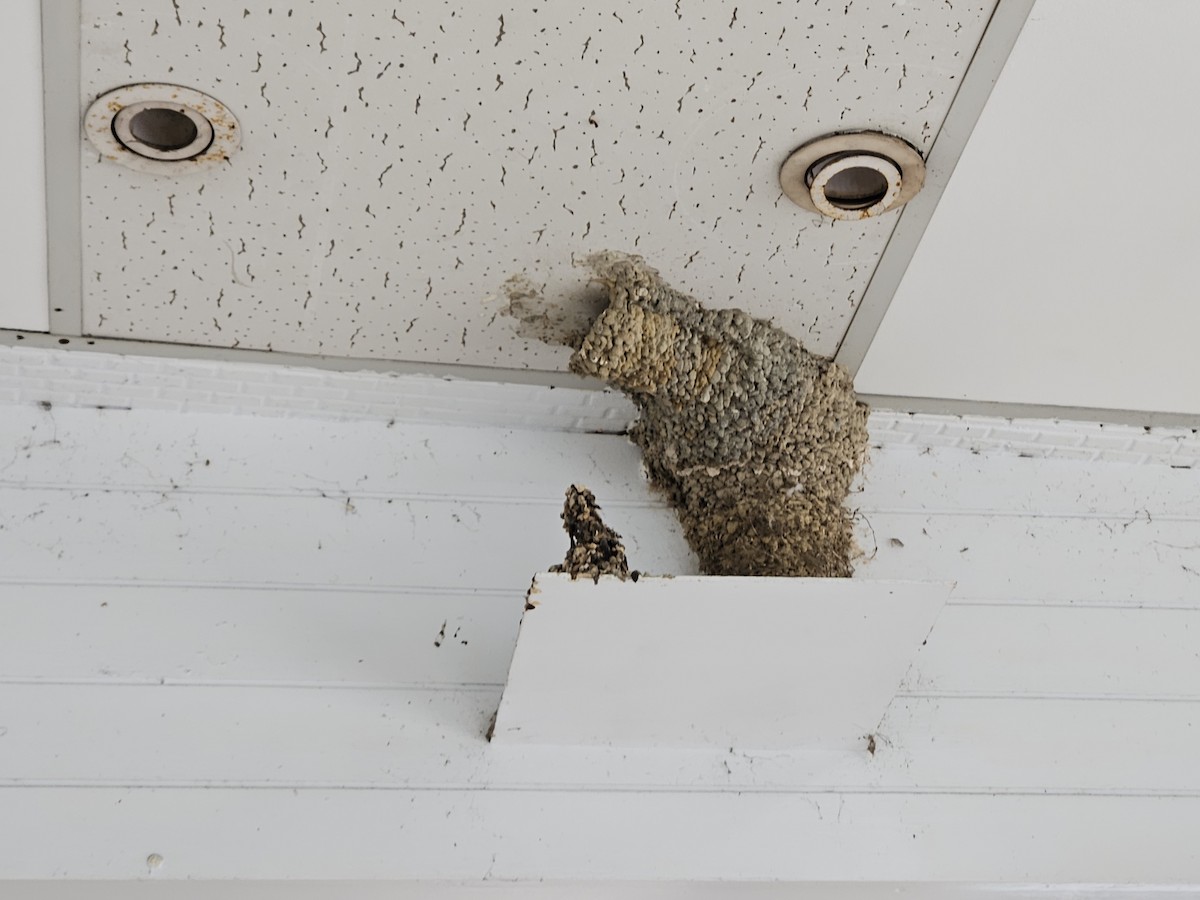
93, 449
200, 452
239, 539
1057, 651
217, 833
81, 734
384, 738
1055, 560
318, 636
160, 886
174, 536
953, 480
1054, 745
957, 771
711, 662
322, 636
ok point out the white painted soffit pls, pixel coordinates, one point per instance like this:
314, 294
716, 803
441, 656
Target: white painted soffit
396, 170
1057, 271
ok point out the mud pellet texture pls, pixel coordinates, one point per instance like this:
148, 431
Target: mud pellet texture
754, 439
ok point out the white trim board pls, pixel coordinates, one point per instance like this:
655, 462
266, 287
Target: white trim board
1034, 411
123, 347
713, 662
33, 375
159, 888
58, 377
25, 340
249, 833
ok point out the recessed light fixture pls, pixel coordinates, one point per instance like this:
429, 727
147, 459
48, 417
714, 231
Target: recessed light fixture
163, 129
853, 176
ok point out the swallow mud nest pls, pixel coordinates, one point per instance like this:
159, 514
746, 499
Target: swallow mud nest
754, 439
595, 548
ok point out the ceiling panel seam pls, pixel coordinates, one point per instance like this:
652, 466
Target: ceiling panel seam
64, 212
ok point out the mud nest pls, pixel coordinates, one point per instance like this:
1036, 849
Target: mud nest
595, 548
754, 439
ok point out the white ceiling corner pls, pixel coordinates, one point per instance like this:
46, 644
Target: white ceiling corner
1057, 268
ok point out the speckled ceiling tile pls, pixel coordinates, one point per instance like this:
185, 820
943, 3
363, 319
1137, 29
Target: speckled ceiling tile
402, 160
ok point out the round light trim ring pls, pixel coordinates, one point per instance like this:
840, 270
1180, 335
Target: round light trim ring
108, 126
885, 167
805, 166
121, 125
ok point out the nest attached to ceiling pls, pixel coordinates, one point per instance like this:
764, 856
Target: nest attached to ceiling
754, 439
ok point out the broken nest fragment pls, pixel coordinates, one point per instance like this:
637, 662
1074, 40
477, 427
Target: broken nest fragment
595, 548
754, 439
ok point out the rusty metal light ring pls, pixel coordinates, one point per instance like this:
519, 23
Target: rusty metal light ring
794, 176
107, 126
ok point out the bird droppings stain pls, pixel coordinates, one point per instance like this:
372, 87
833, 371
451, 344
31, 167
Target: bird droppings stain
754, 439
595, 548
547, 320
